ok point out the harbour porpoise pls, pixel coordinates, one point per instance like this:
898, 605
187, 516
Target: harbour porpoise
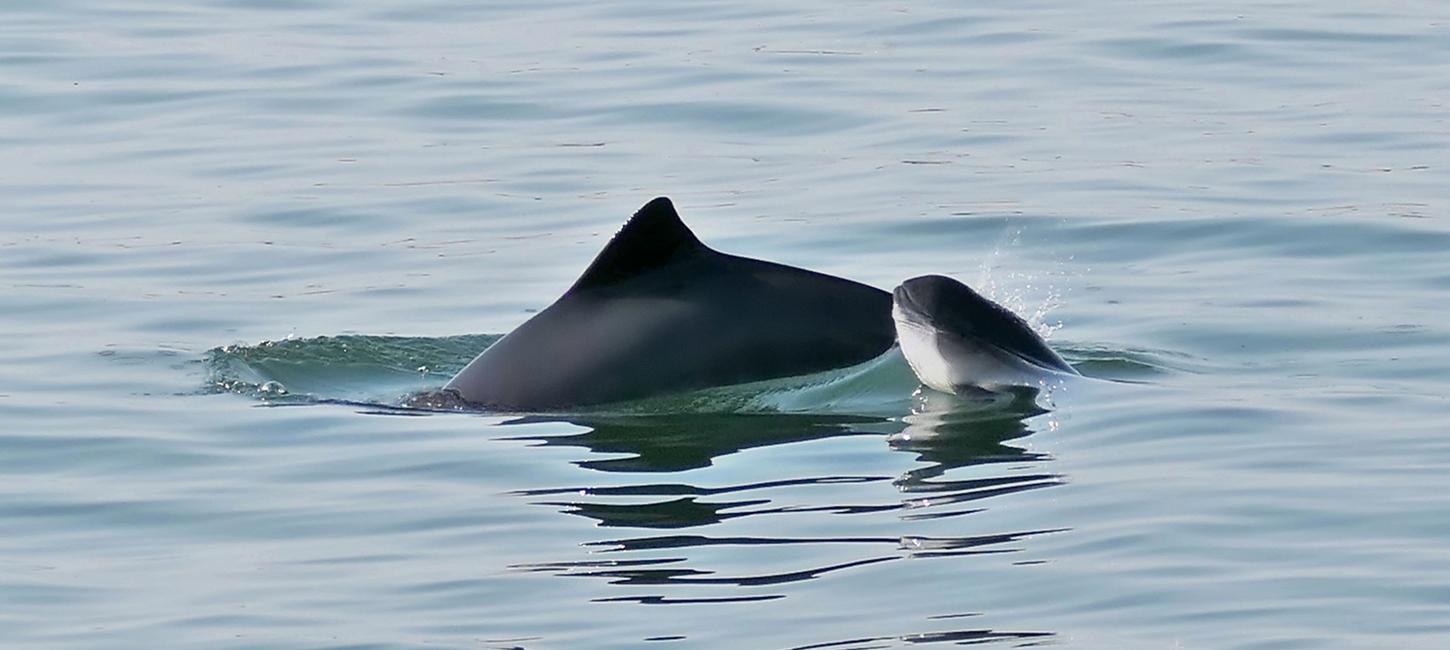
956, 340
659, 312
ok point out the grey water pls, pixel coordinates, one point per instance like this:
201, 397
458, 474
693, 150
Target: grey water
238, 234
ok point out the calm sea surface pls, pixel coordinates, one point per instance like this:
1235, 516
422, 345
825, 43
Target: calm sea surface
237, 234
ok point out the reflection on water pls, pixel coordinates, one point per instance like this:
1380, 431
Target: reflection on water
673, 443
943, 433
668, 540
959, 637
947, 432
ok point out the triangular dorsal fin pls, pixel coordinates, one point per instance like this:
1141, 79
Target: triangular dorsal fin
652, 237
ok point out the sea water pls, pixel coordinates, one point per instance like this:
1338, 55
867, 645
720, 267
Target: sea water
237, 235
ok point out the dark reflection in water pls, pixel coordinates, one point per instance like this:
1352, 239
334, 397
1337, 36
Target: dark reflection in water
958, 637
674, 443
944, 434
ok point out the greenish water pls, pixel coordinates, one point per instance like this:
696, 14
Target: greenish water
238, 235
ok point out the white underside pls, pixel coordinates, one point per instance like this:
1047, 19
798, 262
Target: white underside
947, 362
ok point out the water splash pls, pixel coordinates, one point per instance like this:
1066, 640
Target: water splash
1031, 295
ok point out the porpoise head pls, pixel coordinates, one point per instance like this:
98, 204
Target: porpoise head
954, 338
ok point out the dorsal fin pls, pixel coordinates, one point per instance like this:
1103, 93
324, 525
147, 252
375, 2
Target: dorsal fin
651, 238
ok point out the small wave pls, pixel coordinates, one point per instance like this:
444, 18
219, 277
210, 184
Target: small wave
376, 369
1127, 364
880, 386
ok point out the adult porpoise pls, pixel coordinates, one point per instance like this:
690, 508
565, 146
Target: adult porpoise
659, 312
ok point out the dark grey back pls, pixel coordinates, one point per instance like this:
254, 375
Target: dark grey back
659, 312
